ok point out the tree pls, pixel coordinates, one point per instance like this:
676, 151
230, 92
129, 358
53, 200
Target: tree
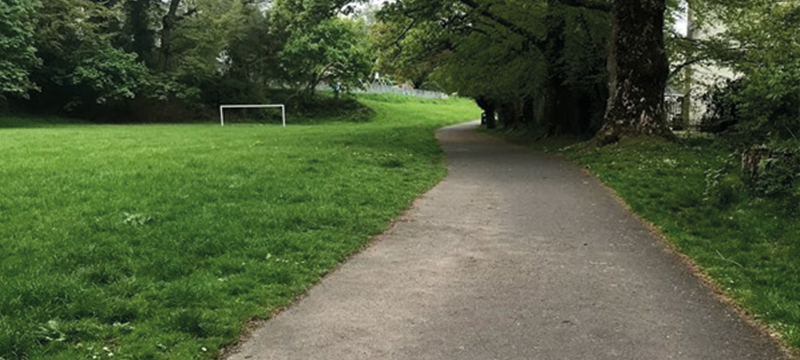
200, 40
410, 60
17, 55
335, 50
761, 42
535, 63
187, 52
638, 70
80, 63
168, 24
637, 64
141, 38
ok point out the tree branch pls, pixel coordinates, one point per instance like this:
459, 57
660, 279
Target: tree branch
530, 37
686, 64
402, 34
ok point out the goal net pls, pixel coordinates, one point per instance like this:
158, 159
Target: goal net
222, 109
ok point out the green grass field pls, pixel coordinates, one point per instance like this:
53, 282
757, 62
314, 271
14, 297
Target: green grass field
161, 242
749, 245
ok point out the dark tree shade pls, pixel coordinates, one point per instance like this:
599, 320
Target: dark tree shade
139, 29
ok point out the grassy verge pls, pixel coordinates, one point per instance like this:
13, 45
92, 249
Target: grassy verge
749, 245
161, 242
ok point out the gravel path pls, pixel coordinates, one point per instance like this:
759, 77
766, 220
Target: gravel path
516, 255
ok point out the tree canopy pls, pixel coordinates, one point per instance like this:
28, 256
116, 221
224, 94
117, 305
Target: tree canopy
581, 67
78, 56
17, 56
531, 61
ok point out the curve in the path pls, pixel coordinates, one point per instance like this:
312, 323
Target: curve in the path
516, 255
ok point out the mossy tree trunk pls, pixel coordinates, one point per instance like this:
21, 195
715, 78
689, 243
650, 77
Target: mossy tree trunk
638, 69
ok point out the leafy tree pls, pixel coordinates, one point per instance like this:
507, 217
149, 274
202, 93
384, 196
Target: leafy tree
200, 40
760, 43
80, 63
335, 50
17, 56
638, 69
253, 53
531, 61
139, 34
412, 59
769, 38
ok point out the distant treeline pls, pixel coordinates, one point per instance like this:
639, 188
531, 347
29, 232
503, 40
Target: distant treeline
173, 59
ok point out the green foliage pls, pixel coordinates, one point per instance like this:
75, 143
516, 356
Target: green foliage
335, 50
780, 179
724, 187
508, 54
724, 107
201, 39
78, 54
17, 56
111, 73
162, 242
466, 53
107, 52
253, 54
774, 172
414, 59
770, 103
139, 26
759, 42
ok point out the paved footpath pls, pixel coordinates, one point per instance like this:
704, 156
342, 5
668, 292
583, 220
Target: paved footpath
516, 255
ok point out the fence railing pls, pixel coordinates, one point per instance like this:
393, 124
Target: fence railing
674, 105
388, 89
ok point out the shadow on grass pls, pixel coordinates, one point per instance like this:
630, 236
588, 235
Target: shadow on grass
534, 140
30, 121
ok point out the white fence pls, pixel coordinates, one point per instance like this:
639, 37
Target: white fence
377, 88
385, 87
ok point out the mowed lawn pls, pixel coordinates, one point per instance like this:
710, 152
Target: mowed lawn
162, 242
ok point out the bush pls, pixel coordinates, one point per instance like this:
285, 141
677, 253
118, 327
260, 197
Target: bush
773, 172
724, 107
724, 188
754, 110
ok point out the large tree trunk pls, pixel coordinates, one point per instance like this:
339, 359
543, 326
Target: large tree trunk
554, 85
168, 23
529, 111
638, 69
139, 30
511, 114
489, 108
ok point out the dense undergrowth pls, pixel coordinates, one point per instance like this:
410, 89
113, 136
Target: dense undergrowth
163, 241
744, 234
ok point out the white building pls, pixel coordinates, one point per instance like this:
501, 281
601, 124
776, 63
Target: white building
699, 78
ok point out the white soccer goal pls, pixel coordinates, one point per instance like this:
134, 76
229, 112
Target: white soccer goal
223, 107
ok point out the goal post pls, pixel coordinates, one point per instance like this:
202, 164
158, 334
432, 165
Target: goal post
223, 107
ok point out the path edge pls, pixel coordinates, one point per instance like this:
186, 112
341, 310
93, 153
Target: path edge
694, 268
254, 324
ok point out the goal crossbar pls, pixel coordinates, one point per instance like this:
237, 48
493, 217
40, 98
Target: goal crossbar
243, 106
